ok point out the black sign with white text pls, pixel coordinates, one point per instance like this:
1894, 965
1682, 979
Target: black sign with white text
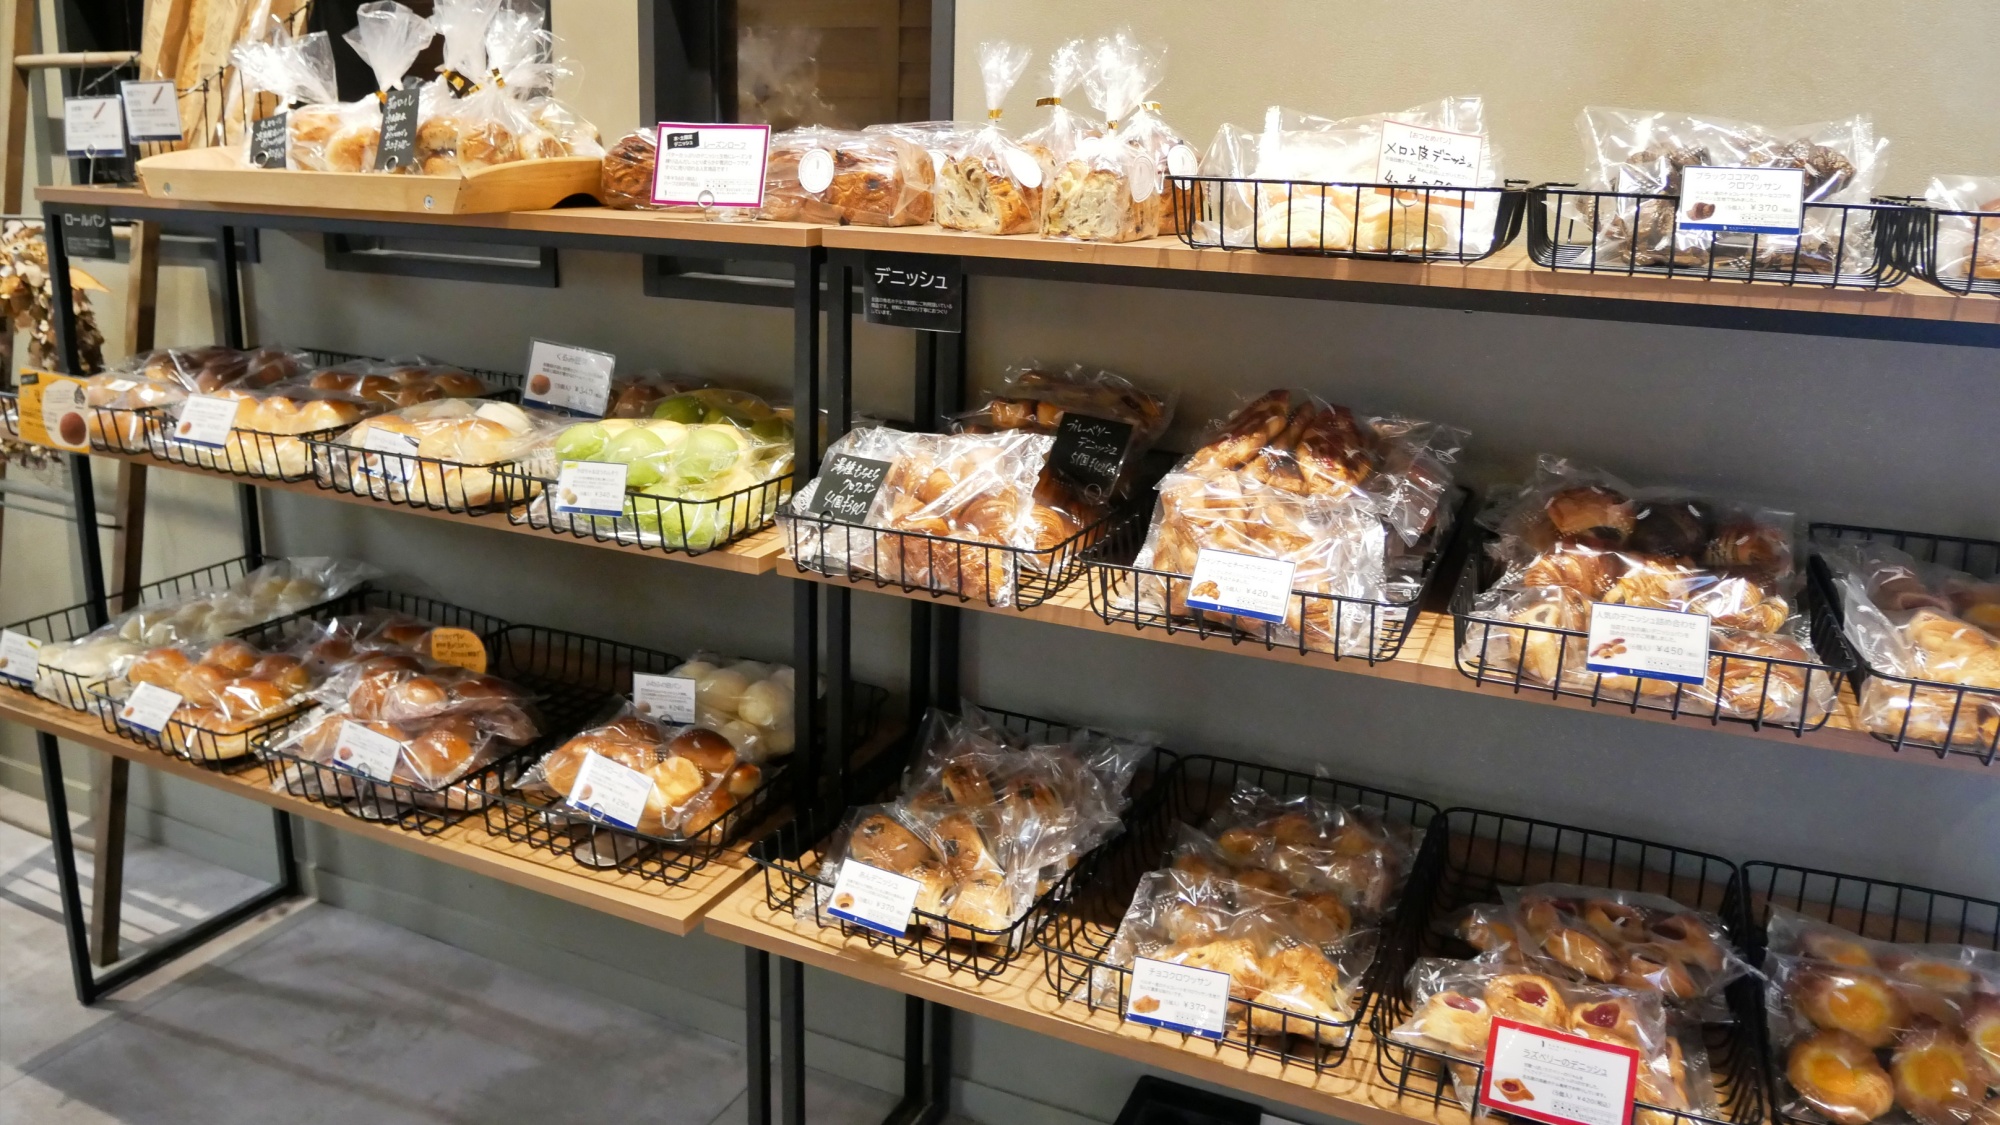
86, 233
914, 291
1089, 452
268, 140
398, 148
848, 487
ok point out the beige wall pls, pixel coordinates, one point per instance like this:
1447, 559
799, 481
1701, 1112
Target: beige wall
1922, 68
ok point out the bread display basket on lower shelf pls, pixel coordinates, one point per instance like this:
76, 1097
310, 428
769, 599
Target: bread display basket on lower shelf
218, 175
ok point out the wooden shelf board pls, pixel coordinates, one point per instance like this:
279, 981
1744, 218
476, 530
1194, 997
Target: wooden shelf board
756, 553
1020, 996
592, 221
1427, 658
466, 845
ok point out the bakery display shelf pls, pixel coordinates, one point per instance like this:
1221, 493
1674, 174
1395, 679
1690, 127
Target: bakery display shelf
672, 909
669, 524
1340, 626
218, 175
1959, 721
590, 228
1092, 901
1019, 996
1469, 855
964, 571
463, 488
1957, 251
572, 681
229, 747
794, 885
1843, 245
1763, 692
756, 553
1875, 908
1420, 224
554, 826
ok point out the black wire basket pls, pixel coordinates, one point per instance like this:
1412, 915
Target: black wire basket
230, 748
1337, 625
75, 691
1958, 720
1469, 855
655, 523
1843, 245
1421, 224
1762, 691
965, 569
1957, 251
1093, 898
459, 487
574, 680
1874, 908
794, 885
553, 826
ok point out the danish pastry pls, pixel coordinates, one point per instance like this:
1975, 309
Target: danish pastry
1938, 1079
1837, 1074
1859, 1003
1613, 1020
1528, 997
1459, 1021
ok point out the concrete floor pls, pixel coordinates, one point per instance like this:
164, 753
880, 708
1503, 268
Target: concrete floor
318, 1015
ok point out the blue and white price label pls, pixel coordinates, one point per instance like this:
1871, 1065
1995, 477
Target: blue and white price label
1659, 644
610, 791
1178, 997
871, 897
1245, 585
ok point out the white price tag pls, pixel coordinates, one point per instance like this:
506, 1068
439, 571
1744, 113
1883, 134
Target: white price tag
1246, 585
591, 488
574, 379
366, 752
19, 656
663, 699
1181, 161
711, 165
206, 420
152, 110
1178, 997
609, 791
1555, 1078
149, 707
1412, 154
871, 897
1659, 643
1748, 200
93, 127
379, 440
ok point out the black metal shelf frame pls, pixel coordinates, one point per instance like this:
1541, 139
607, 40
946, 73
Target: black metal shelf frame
814, 750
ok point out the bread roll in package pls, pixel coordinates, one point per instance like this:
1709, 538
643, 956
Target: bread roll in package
1966, 244
299, 73
1320, 203
265, 437
697, 776
1928, 623
1642, 152
440, 454
993, 184
1108, 190
847, 178
388, 37
494, 101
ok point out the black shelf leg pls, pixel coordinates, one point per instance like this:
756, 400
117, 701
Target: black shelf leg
757, 1034
792, 1042
926, 1064
91, 986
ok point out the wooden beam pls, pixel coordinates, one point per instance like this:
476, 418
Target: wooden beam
17, 37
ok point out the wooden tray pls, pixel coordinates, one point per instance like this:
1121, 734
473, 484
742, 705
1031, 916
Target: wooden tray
216, 175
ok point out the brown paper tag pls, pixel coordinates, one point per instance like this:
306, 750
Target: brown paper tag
53, 412
461, 647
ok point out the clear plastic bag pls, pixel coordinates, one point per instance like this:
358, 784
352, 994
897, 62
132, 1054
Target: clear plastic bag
1316, 847
847, 178
264, 439
697, 775
625, 179
1642, 942
992, 184
777, 77
1034, 397
394, 383
442, 452
228, 688
1639, 152
388, 37
205, 370
1058, 137
1109, 189
1966, 244
1921, 621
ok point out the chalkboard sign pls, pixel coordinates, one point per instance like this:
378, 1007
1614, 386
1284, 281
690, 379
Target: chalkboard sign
86, 233
1089, 453
398, 148
918, 291
268, 140
847, 487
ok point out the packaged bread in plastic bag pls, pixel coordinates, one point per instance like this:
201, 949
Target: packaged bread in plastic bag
1966, 245
299, 73
625, 179
848, 178
1035, 398
264, 438
695, 775
388, 37
395, 382
1109, 188
1926, 623
1643, 942
1146, 128
1056, 138
993, 184
1641, 152
438, 454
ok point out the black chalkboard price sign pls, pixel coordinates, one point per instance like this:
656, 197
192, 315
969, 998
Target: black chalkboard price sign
268, 140
847, 488
1089, 452
398, 148
920, 291
86, 233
